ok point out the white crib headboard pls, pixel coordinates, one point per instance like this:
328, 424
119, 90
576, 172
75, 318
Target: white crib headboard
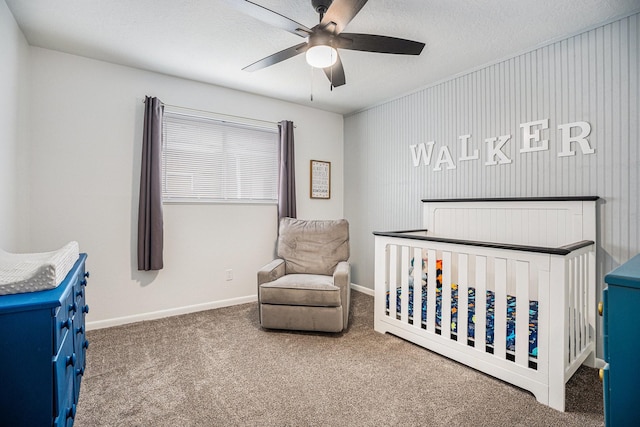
547, 222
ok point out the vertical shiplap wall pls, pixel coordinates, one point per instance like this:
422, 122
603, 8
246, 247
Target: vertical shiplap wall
590, 77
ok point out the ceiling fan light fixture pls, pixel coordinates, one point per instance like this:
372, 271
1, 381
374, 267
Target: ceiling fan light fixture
321, 56
323, 40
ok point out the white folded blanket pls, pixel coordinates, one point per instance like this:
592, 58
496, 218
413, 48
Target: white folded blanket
32, 272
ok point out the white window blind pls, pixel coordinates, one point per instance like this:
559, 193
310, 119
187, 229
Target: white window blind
205, 159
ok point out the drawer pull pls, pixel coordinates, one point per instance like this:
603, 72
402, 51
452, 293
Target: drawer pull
85, 344
66, 324
71, 360
600, 308
84, 282
80, 293
85, 309
601, 374
86, 274
80, 330
73, 308
80, 372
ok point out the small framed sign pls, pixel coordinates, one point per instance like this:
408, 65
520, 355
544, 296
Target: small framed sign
320, 179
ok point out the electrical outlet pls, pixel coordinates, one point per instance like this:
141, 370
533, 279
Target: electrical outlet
229, 274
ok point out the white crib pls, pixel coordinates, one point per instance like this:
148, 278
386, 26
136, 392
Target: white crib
521, 253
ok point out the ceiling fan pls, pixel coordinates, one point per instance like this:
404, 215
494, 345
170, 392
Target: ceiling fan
324, 39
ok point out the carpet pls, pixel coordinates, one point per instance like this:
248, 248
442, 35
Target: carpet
220, 368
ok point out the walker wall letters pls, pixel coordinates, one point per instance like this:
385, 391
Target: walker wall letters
572, 136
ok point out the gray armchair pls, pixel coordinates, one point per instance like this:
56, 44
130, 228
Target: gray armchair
308, 287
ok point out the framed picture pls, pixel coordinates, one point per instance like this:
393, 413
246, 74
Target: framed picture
320, 179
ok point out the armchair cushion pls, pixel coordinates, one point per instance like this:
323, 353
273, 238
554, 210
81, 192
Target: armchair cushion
301, 289
313, 247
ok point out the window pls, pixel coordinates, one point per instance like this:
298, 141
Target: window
208, 159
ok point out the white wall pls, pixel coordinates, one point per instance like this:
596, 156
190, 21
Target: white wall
85, 143
592, 77
13, 96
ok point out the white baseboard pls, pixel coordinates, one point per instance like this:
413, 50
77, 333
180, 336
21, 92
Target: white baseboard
362, 289
169, 312
99, 324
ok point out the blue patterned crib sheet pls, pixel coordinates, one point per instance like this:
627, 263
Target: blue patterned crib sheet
490, 310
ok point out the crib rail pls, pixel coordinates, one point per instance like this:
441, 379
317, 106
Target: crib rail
561, 286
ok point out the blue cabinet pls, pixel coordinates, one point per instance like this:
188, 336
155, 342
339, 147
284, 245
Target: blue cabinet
42, 352
621, 333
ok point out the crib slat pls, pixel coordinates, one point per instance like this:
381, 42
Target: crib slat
567, 314
544, 333
522, 313
417, 288
581, 303
445, 308
584, 332
500, 320
577, 331
590, 312
463, 300
393, 280
572, 309
404, 284
578, 297
480, 341
431, 291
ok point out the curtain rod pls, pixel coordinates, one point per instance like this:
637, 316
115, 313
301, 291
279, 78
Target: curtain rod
220, 114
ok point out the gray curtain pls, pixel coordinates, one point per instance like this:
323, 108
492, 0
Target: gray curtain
287, 172
150, 226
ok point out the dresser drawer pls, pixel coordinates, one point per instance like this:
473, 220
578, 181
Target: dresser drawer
79, 293
64, 365
66, 419
605, 323
606, 394
81, 344
64, 318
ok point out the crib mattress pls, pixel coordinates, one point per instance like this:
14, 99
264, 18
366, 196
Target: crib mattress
30, 272
490, 310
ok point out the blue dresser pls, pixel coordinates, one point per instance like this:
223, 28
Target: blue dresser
42, 352
621, 375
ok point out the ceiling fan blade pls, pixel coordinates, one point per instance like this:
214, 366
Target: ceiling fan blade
277, 57
339, 14
270, 17
335, 73
380, 44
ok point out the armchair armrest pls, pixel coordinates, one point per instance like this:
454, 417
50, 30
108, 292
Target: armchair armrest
342, 275
271, 271
342, 279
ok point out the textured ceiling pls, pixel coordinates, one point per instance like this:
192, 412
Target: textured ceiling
211, 40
